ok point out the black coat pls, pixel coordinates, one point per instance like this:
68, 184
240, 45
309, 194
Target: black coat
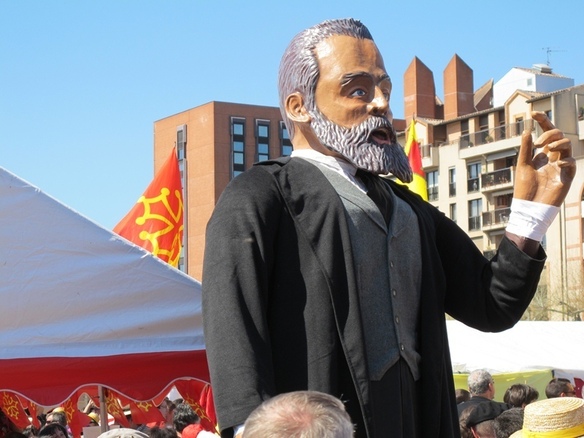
281, 308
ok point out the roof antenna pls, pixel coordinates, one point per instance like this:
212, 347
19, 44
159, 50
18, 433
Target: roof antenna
548, 51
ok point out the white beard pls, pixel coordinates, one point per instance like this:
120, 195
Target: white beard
362, 151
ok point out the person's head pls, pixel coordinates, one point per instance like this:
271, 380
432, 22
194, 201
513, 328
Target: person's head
465, 431
123, 432
167, 410
30, 431
560, 387
163, 432
519, 395
306, 414
53, 430
57, 416
480, 420
560, 416
481, 383
462, 395
183, 416
483, 430
334, 97
93, 419
508, 422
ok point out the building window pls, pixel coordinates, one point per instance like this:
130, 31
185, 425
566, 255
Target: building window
181, 150
432, 183
464, 135
474, 214
181, 141
452, 181
464, 127
263, 140
237, 146
474, 173
484, 129
453, 212
285, 143
518, 125
500, 131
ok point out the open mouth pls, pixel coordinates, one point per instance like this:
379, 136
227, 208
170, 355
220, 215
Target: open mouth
381, 136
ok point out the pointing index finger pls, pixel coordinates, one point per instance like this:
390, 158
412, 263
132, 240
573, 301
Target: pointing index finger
524, 157
543, 120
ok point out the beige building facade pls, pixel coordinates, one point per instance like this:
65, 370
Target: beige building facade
469, 159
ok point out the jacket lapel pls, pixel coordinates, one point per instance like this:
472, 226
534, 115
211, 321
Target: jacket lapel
320, 217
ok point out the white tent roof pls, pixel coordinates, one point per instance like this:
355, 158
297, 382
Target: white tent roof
73, 290
530, 345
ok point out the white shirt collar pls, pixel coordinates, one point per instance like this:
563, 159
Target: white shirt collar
339, 165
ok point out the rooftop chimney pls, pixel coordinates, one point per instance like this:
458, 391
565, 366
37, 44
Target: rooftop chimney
458, 89
419, 91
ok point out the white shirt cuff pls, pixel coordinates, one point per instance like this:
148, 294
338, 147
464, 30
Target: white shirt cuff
238, 429
531, 219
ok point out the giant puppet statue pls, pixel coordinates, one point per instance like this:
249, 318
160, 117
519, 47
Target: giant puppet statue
320, 275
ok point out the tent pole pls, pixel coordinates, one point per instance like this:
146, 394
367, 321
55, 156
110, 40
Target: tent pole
102, 410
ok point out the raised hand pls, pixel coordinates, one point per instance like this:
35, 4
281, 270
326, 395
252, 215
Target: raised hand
546, 168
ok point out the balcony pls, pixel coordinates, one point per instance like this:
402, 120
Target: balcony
489, 141
497, 180
496, 219
494, 134
430, 155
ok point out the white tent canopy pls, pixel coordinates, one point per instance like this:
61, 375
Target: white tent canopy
84, 305
530, 345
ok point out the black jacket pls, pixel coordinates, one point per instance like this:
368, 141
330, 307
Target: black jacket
281, 309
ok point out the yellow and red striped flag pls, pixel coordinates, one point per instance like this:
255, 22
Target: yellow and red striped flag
156, 221
412, 150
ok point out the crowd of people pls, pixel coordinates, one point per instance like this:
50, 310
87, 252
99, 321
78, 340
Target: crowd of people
520, 414
313, 414
179, 421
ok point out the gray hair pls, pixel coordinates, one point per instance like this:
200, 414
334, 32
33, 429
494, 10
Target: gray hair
299, 66
299, 414
478, 382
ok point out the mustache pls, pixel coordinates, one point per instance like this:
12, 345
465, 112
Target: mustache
374, 124
363, 132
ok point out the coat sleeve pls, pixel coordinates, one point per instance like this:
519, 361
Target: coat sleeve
236, 271
489, 295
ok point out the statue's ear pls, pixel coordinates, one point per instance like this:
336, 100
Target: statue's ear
295, 108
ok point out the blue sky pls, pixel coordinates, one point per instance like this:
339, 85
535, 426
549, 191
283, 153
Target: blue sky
82, 82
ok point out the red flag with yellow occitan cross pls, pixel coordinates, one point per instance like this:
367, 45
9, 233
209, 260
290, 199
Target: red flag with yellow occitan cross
156, 221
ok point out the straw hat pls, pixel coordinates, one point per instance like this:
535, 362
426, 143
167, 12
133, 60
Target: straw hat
94, 417
554, 417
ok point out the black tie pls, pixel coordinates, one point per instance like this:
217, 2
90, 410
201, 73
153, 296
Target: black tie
378, 191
